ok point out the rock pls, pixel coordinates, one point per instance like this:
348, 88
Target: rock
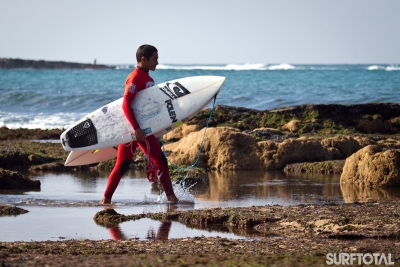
109, 217
374, 124
230, 149
389, 143
268, 134
363, 142
371, 167
11, 63
32, 134
11, 210
326, 167
180, 132
19, 157
188, 177
344, 144
55, 166
300, 150
395, 121
224, 149
293, 126
268, 150
11, 180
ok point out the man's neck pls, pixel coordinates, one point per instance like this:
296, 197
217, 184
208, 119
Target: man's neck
143, 69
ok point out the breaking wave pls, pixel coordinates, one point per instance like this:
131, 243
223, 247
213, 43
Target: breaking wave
386, 68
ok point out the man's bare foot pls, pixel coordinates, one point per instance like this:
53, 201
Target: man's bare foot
172, 199
105, 201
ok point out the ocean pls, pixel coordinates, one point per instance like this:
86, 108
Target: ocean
33, 98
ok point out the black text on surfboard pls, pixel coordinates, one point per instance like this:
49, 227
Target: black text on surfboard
171, 111
174, 90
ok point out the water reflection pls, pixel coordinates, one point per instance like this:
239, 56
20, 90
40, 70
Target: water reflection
228, 188
162, 233
66, 203
234, 186
116, 233
352, 193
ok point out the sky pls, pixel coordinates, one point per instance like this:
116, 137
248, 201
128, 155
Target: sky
203, 31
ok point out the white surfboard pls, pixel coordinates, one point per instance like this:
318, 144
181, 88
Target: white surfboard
159, 108
85, 157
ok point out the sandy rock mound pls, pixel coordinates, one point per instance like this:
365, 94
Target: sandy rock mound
389, 143
371, 167
230, 149
341, 146
293, 126
224, 149
180, 132
300, 150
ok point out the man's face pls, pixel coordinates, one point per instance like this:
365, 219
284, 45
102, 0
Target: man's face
152, 63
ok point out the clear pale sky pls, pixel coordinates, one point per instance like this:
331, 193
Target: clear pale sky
203, 31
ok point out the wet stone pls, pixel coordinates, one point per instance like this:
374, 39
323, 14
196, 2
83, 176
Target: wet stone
11, 210
12, 180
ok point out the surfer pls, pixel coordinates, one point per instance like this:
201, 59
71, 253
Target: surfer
137, 80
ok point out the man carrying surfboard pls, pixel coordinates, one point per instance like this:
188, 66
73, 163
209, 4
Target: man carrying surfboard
137, 80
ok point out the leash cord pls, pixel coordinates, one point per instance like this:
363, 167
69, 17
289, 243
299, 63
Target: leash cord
201, 146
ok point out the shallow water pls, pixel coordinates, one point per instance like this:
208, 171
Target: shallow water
65, 205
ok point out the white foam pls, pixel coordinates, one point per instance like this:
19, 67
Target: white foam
392, 68
282, 66
247, 66
375, 67
124, 67
387, 68
40, 120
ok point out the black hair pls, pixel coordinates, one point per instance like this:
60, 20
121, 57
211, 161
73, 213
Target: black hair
146, 51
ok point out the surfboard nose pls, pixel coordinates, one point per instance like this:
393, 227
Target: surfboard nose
216, 82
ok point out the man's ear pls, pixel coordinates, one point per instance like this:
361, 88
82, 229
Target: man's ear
143, 59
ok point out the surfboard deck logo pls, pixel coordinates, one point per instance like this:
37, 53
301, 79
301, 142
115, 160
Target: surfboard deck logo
171, 112
174, 90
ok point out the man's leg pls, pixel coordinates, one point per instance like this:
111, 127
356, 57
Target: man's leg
124, 157
161, 163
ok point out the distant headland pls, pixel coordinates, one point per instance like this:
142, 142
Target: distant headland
16, 63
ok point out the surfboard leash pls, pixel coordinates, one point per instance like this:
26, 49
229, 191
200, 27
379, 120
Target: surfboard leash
201, 146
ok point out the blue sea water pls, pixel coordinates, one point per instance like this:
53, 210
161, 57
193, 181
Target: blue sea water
32, 98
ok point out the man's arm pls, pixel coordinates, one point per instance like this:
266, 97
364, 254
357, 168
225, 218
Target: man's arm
130, 115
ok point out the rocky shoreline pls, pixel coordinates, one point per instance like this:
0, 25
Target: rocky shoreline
300, 235
16, 63
311, 138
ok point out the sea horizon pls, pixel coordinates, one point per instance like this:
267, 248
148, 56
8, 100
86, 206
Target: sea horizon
57, 98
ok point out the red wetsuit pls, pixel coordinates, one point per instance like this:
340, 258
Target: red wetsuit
137, 80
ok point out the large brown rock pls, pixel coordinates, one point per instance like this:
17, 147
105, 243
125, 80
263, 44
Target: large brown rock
224, 149
300, 150
231, 149
389, 143
345, 145
372, 167
180, 132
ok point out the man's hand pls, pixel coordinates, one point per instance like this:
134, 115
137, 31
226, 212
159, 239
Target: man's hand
140, 135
